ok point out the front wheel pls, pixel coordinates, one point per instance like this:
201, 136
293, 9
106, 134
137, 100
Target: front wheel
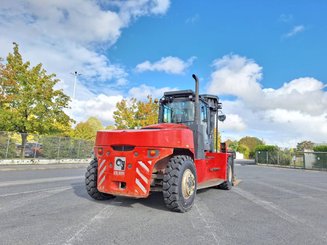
227, 185
180, 184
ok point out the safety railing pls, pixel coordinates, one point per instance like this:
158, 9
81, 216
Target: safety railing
305, 160
43, 147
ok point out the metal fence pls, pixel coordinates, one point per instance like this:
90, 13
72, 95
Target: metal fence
43, 147
305, 160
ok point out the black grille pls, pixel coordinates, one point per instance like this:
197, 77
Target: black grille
123, 147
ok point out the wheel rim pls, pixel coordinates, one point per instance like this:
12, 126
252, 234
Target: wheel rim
188, 184
230, 174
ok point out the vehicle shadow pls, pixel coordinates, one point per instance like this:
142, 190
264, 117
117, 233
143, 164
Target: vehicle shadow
155, 199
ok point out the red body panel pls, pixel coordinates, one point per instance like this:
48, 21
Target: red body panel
135, 179
137, 174
173, 135
213, 167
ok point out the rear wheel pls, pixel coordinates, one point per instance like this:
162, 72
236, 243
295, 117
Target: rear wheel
91, 177
227, 185
180, 184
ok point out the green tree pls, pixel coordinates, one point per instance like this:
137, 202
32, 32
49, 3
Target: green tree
270, 148
147, 112
244, 150
110, 127
233, 145
320, 148
251, 143
305, 145
133, 113
29, 103
269, 154
87, 130
125, 114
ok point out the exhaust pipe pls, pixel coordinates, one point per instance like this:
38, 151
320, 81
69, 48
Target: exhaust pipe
197, 103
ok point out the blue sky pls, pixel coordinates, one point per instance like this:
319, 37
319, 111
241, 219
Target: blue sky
265, 59
255, 29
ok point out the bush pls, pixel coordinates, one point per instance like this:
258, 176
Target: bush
320, 148
285, 157
266, 148
244, 150
267, 154
321, 158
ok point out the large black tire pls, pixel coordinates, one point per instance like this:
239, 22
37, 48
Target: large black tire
227, 185
180, 172
91, 177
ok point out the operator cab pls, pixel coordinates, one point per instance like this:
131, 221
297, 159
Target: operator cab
179, 107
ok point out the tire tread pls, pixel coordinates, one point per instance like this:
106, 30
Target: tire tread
91, 176
170, 184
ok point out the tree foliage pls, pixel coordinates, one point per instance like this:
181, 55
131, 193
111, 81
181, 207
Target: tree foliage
133, 113
244, 150
270, 148
233, 145
305, 145
29, 103
250, 142
147, 112
320, 148
87, 130
110, 127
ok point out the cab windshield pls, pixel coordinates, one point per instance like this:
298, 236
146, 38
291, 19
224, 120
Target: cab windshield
178, 112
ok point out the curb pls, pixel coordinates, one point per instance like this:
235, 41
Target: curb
42, 161
17, 167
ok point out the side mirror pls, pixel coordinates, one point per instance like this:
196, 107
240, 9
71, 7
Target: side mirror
222, 118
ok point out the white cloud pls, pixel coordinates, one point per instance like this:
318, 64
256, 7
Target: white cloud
101, 106
160, 6
233, 122
297, 125
296, 30
68, 36
142, 91
76, 20
133, 9
304, 94
172, 65
235, 75
294, 112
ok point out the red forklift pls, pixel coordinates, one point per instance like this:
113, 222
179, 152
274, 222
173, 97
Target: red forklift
177, 156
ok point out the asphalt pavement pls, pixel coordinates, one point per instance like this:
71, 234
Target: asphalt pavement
269, 206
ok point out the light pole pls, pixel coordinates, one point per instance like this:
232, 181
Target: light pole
75, 74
